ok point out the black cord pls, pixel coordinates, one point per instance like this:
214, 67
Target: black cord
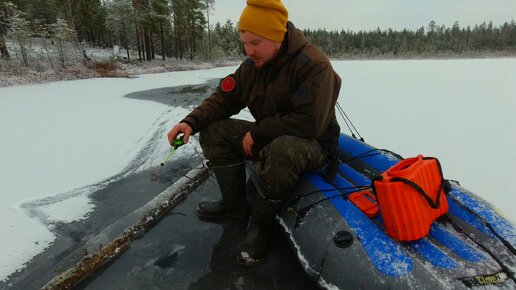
345, 117
333, 189
346, 122
301, 213
369, 153
487, 224
340, 161
479, 244
344, 195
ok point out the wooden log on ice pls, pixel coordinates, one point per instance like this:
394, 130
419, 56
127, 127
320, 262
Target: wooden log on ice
174, 194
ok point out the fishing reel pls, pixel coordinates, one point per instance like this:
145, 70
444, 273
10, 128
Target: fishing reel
178, 142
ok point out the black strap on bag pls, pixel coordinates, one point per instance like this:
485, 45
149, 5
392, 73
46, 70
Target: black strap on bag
434, 205
443, 187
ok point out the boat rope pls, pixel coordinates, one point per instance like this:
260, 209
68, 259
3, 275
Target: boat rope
353, 188
461, 230
301, 213
346, 120
365, 154
487, 224
370, 153
333, 164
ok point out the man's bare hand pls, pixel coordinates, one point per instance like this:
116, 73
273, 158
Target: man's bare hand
180, 128
247, 144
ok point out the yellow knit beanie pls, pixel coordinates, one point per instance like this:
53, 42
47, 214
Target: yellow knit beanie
266, 18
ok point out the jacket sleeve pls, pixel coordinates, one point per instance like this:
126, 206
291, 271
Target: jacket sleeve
313, 106
219, 105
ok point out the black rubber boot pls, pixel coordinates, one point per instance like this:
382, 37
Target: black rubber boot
259, 232
231, 180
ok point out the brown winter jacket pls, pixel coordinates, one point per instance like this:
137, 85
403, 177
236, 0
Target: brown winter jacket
293, 95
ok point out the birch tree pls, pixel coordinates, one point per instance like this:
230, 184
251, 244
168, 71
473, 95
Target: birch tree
19, 29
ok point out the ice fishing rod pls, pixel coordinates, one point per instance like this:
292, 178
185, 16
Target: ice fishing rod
178, 142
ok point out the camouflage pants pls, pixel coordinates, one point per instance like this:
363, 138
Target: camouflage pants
281, 161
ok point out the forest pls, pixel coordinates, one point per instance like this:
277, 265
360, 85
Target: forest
432, 41
51, 34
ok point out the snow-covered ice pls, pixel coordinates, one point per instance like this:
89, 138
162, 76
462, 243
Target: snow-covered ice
64, 136
60, 138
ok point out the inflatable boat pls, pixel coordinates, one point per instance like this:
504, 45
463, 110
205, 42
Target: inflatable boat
336, 225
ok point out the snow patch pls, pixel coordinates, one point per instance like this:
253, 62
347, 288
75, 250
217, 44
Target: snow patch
302, 259
327, 285
69, 210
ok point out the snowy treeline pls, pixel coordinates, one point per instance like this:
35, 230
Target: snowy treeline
436, 40
57, 35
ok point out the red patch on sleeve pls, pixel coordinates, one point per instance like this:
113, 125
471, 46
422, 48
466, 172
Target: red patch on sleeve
228, 84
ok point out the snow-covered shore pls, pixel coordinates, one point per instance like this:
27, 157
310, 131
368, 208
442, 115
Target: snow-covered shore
17, 76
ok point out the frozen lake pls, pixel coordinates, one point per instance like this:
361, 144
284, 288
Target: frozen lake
61, 138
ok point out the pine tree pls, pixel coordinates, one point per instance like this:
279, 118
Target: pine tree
226, 38
120, 22
159, 17
4, 13
43, 10
208, 6
90, 21
142, 12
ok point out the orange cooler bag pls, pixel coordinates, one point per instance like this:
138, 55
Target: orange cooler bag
411, 196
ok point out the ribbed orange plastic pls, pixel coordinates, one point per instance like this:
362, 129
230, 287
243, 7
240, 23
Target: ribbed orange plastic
366, 202
406, 214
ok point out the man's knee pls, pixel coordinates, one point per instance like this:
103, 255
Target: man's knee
281, 164
221, 141
284, 159
212, 132
286, 151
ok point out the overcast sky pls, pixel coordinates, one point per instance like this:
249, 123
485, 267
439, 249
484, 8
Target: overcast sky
370, 14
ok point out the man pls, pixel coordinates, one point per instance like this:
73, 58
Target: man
290, 88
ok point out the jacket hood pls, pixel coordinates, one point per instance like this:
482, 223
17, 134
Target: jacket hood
293, 43
295, 40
